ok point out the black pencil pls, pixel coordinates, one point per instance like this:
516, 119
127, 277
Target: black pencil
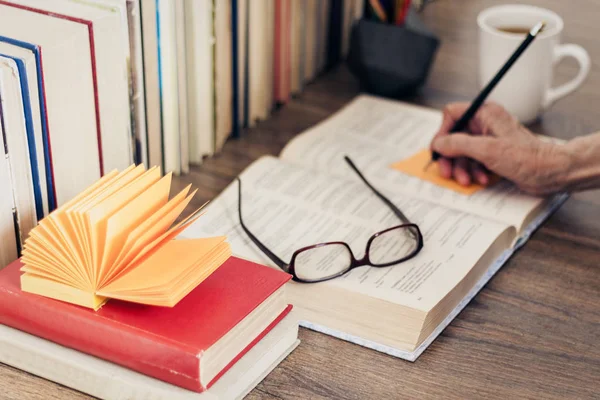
463, 122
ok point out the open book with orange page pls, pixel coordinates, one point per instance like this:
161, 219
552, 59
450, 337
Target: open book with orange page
309, 195
116, 240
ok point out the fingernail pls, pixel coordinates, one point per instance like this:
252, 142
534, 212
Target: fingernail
445, 169
464, 180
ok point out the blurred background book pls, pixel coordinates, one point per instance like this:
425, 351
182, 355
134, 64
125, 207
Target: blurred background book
101, 84
154, 82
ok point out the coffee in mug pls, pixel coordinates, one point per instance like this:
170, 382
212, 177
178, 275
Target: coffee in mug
525, 91
518, 30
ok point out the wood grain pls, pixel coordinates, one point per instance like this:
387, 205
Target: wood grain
532, 332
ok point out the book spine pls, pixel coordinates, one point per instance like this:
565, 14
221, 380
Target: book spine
246, 93
6, 156
301, 43
106, 339
251, 345
277, 53
51, 186
287, 48
235, 130
33, 158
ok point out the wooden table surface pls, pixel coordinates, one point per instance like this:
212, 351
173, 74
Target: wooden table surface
532, 332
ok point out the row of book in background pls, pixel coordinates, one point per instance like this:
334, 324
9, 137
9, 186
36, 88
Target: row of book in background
223, 65
89, 86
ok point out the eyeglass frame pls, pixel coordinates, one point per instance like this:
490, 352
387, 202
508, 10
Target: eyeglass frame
354, 262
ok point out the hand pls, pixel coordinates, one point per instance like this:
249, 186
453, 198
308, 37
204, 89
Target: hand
498, 143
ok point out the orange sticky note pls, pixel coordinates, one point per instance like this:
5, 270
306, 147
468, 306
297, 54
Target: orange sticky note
415, 166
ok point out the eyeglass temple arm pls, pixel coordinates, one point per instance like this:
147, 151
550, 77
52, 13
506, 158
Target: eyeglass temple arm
391, 205
278, 261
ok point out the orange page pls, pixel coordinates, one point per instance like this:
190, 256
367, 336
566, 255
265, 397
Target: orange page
39, 265
138, 210
102, 182
146, 233
49, 237
99, 214
154, 246
164, 265
416, 166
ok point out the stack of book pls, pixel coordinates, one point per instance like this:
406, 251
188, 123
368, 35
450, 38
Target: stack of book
221, 339
89, 86
104, 285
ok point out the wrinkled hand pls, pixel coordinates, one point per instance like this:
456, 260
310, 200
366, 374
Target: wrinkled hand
498, 143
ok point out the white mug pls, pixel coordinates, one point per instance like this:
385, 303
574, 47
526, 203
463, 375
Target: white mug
525, 91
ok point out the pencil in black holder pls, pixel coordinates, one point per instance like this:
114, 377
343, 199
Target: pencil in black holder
392, 60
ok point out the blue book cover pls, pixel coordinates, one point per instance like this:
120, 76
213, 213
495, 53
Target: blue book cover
35, 174
44, 118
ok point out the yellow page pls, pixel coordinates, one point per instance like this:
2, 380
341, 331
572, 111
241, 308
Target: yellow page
69, 238
79, 209
99, 214
211, 261
163, 266
82, 241
155, 245
78, 235
45, 274
123, 221
41, 254
48, 238
45, 260
107, 179
66, 231
146, 233
169, 295
32, 283
190, 278
121, 180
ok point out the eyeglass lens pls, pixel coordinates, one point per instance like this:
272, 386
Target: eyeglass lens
393, 245
331, 260
322, 262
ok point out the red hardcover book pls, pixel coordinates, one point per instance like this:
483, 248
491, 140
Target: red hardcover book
190, 345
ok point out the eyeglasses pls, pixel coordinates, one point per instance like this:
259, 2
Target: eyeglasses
324, 261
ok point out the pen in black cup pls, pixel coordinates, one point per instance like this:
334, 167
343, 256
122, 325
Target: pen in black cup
463, 122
